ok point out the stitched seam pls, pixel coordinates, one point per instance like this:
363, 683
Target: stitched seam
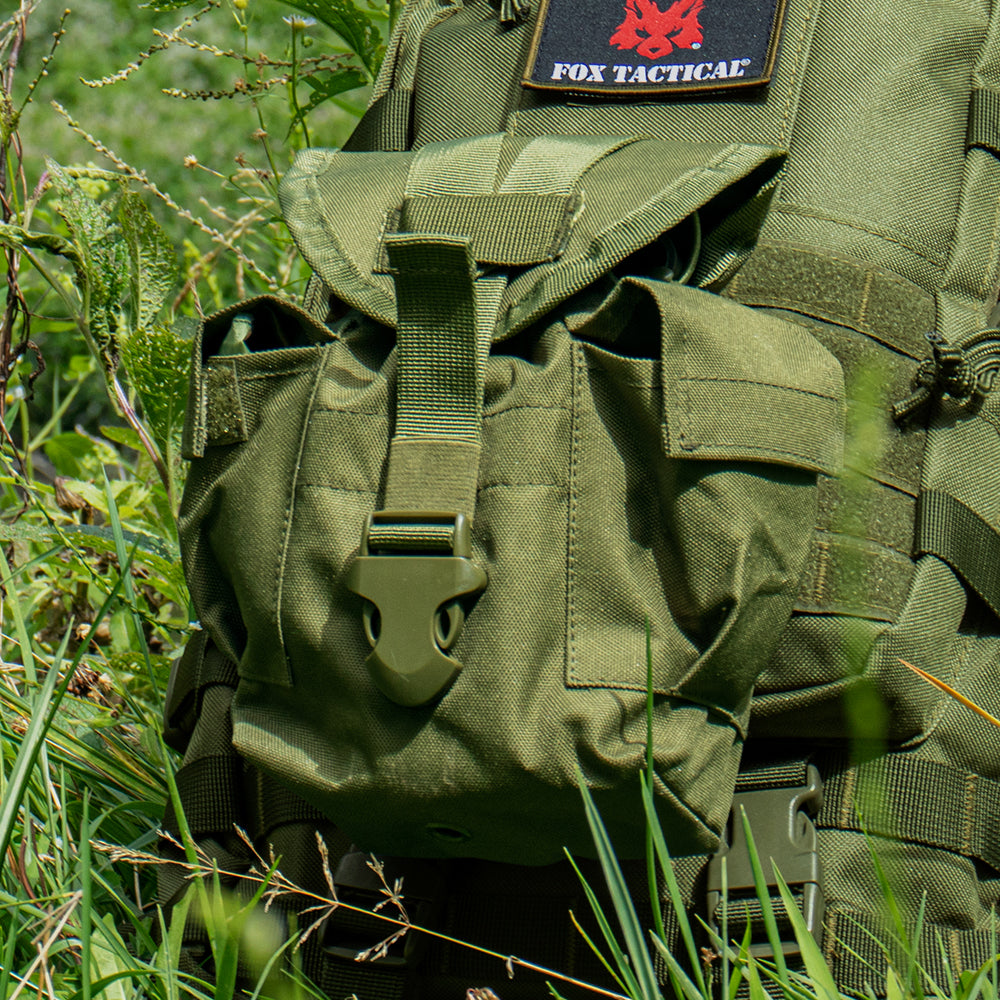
289, 513
766, 385
787, 115
970, 811
571, 538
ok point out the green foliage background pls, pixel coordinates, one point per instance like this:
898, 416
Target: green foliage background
126, 212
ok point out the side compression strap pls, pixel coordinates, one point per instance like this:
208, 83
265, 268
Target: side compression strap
969, 544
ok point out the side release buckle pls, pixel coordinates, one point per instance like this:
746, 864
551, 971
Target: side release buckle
783, 831
413, 568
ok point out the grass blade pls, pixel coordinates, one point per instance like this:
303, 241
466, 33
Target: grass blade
678, 976
760, 884
21, 630
816, 966
634, 937
667, 870
125, 565
626, 978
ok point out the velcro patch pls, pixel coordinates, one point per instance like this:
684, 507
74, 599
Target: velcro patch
626, 47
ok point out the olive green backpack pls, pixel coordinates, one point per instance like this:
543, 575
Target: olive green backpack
647, 350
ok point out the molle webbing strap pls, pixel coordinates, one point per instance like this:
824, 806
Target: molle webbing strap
345, 978
385, 126
895, 791
856, 952
200, 666
984, 121
969, 544
210, 789
277, 805
882, 305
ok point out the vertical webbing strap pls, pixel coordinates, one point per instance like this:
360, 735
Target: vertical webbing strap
415, 562
444, 323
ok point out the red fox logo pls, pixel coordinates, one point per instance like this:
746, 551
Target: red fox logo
655, 33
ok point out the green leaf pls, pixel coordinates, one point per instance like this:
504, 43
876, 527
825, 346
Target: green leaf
678, 976
760, 884
102, 271
153, 264
157, 360
816, 967
670, 880
356, 28
18, 238
626, 979
327, 86
632, 932
69, 452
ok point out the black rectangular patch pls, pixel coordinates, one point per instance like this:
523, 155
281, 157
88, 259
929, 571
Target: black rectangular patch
653, 46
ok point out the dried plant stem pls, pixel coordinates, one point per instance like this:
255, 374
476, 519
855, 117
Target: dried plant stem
128, 412
142, 178
960, 698
124, 74
43, 949
279, 885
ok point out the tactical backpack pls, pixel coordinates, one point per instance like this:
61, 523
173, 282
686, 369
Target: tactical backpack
568, 388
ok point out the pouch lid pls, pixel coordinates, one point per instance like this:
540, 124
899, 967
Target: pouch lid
555, 212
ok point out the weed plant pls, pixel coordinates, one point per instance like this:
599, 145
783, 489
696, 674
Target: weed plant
93, 358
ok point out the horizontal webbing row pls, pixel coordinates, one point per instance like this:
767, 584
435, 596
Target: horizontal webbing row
877, 303
965, 818
984, 121
968, 543
857, 959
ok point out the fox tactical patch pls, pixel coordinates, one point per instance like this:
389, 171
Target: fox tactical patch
653, 46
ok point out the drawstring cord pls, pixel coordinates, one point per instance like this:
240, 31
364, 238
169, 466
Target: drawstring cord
963, 370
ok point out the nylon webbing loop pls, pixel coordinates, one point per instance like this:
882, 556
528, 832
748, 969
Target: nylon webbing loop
210, 789
515, 219
506, 229
969, 544
984, 121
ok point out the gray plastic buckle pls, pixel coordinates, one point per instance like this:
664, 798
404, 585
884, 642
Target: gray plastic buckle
783, 831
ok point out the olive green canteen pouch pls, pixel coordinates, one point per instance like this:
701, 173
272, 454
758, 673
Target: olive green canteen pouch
437, 533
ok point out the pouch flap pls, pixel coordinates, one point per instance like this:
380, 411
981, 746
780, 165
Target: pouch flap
740, 384
562, 210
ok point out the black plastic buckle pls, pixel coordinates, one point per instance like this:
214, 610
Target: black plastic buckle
413, 567
421, 884
783, 831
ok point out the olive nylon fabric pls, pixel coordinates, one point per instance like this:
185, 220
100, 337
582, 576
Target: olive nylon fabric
651, 451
